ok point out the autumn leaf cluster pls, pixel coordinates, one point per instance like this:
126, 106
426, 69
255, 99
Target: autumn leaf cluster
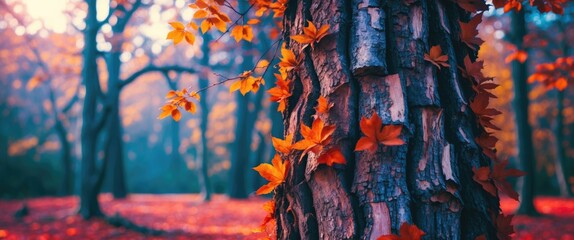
557, 75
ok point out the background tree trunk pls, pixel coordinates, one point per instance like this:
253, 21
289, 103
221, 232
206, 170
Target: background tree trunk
114, 130
243, 129
524, 131
378, 67
561, 161
66, 150
205, 181
90, 180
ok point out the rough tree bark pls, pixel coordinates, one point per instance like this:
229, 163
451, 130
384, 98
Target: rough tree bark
372, 62
524, 131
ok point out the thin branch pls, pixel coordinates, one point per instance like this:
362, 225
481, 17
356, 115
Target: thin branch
241, 16
153, 68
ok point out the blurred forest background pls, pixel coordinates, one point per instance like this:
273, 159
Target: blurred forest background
42, 94
42, 97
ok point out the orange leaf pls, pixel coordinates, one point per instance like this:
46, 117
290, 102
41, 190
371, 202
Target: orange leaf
323, 106
376, 133
246, 83
311, 35
281, 92
436, 58
269, 208
332, 156
242, 32
178, 33
519, 56
283, 146
274, 173
315, 137
288, 61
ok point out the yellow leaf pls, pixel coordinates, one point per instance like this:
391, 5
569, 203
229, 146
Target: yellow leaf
205, 26
200, 14
189, 38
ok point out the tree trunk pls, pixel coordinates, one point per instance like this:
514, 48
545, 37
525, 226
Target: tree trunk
377, 67
114, 146
561, 162
243, 130
523, 129
204, 165
204, 125
66, 150
89, 206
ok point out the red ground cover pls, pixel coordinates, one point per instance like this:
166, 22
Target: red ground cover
185, 217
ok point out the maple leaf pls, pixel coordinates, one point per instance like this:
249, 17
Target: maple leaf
281, 92
406, 232
487, 142
179, 33
278, 8
482, 177
311, 35
485, 115
376, 133
469, 33
473, 70
288, 60
323, 107
494, 179
315, 139
499, 175
269, 208
436, 58
519, 56
283, 146
274, 173
332, 156
242, 32
504, 227
472, 5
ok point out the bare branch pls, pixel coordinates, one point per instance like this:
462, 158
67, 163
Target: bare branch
153, 68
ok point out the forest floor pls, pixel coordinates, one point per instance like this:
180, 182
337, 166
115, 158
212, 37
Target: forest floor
186, 217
